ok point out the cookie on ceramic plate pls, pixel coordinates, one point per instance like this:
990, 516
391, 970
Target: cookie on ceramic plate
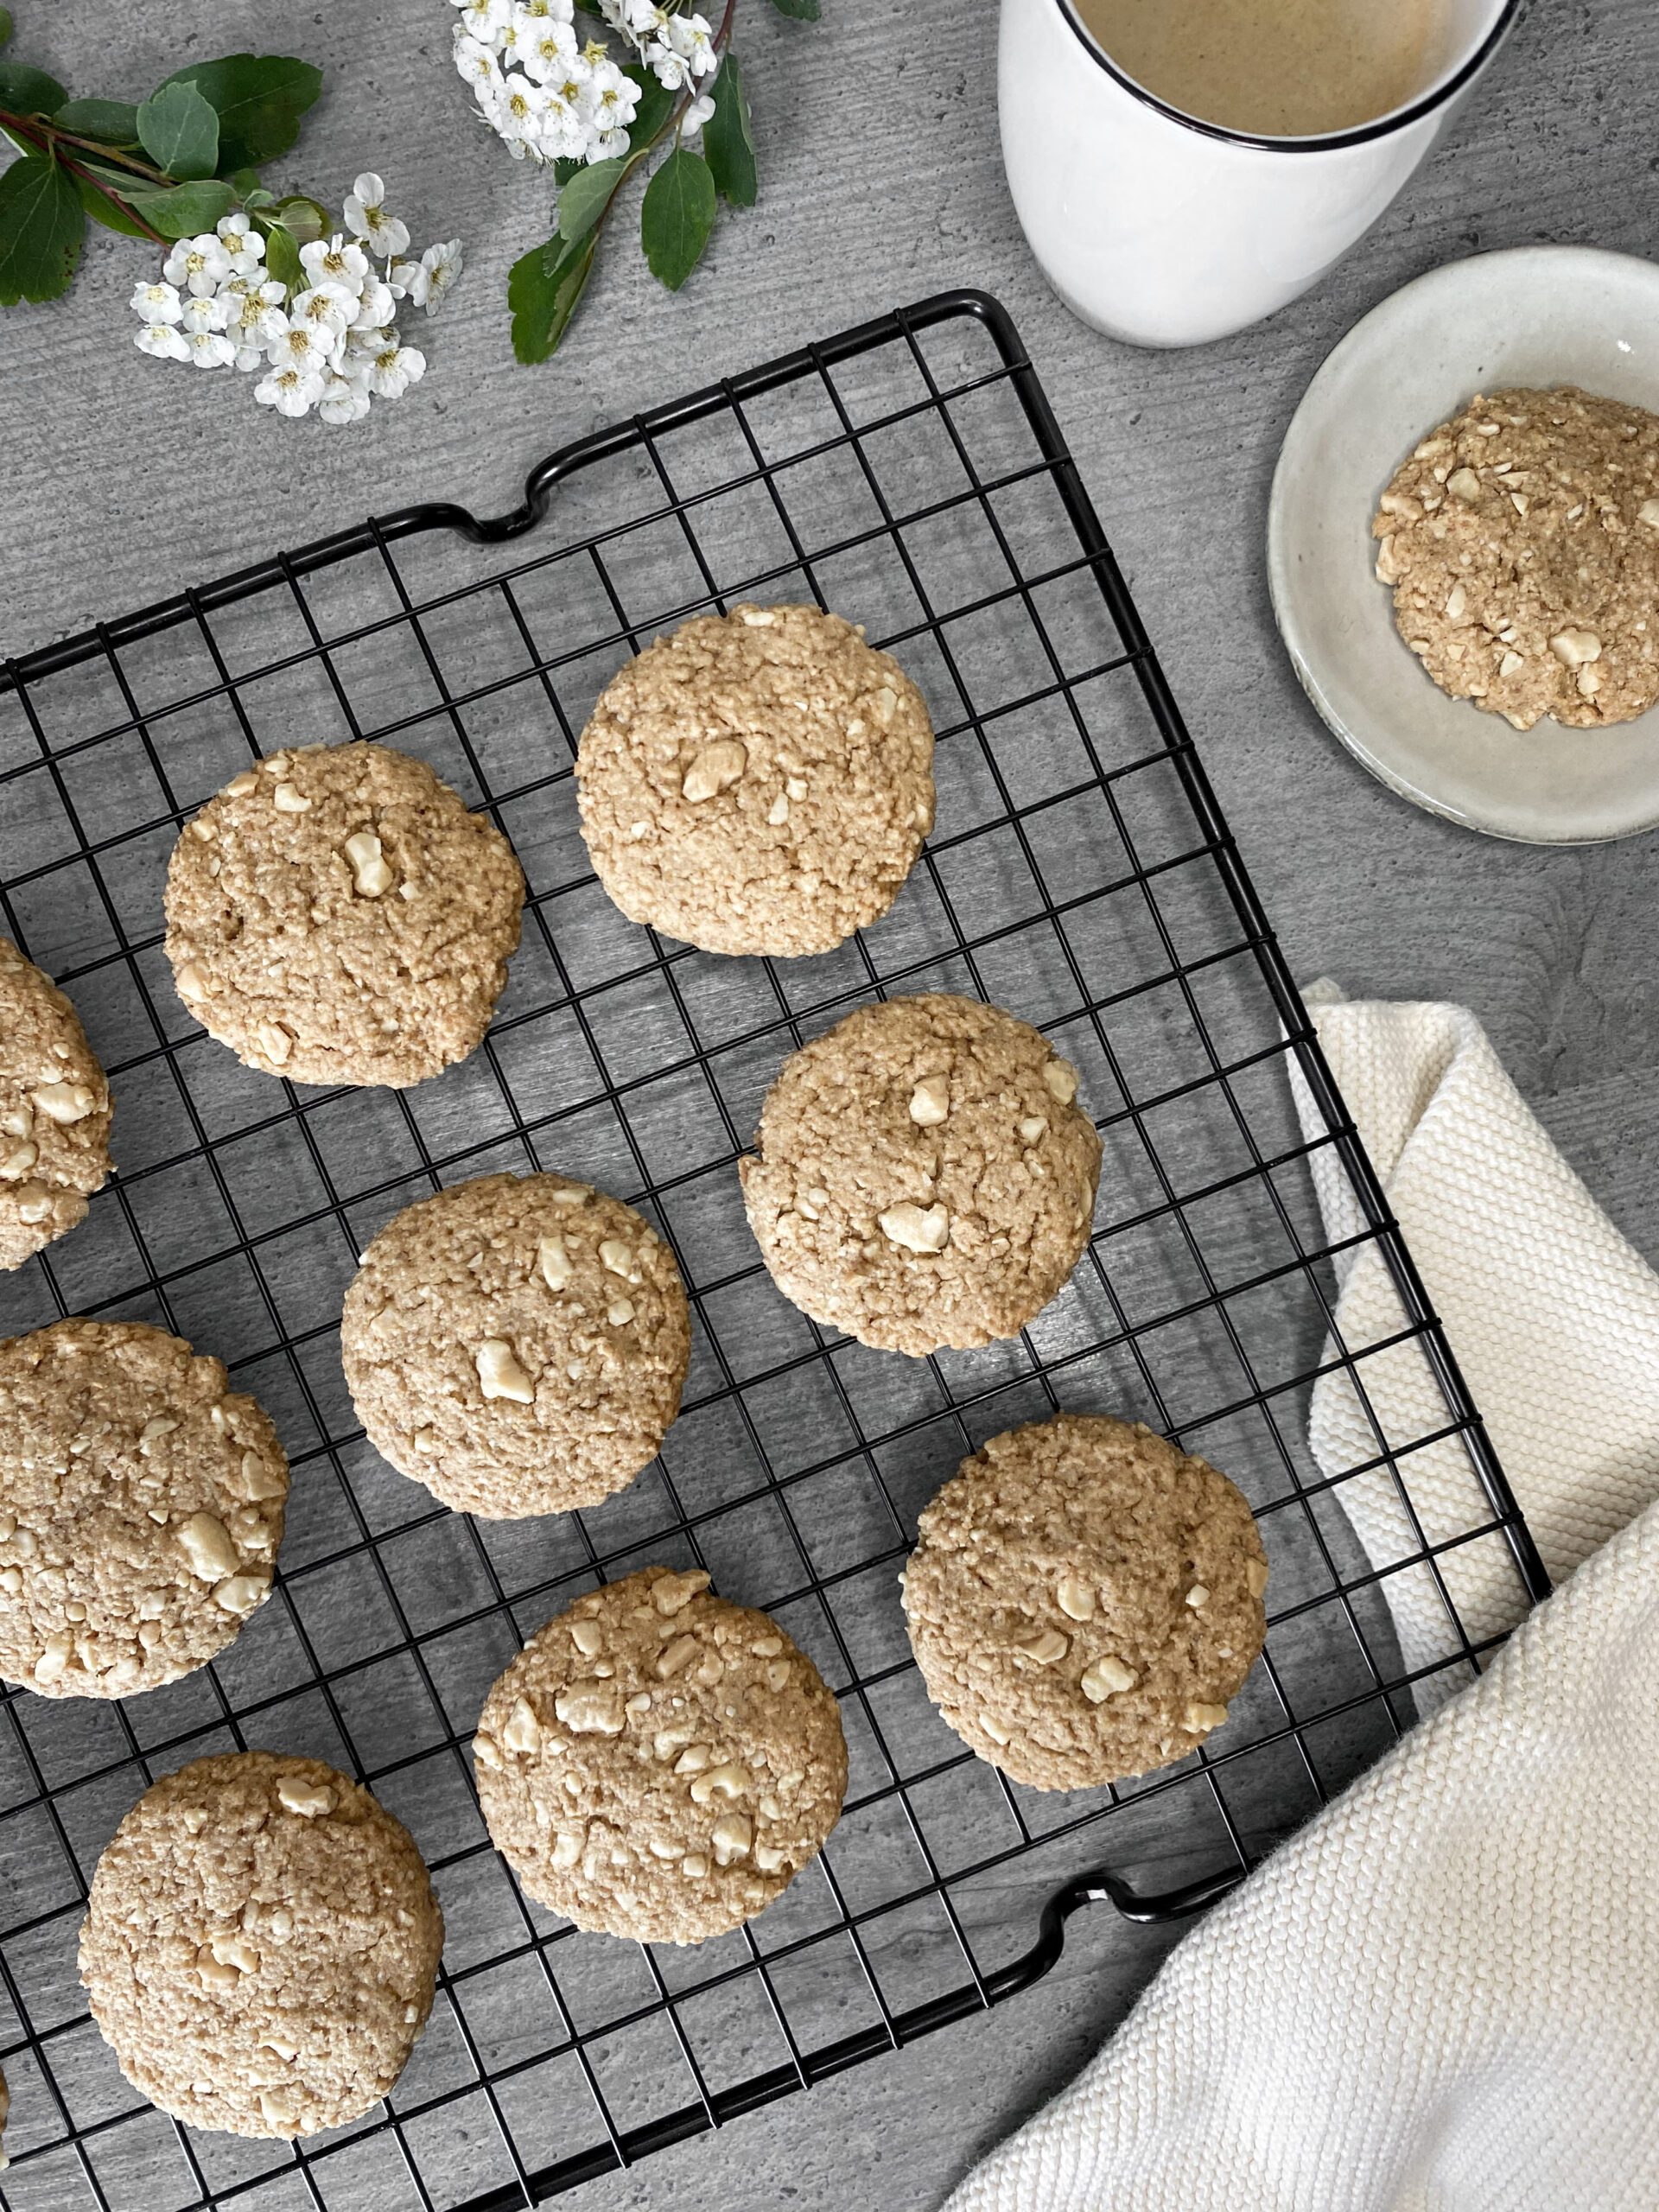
335, 915
1084, 1600
659, 1763
760, 782
261, 1945
925, 1176
140, 1508
518, 1343
55, 1112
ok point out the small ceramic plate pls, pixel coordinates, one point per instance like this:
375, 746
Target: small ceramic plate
1536, 315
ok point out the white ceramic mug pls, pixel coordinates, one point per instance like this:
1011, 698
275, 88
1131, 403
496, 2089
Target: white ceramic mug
1165, 230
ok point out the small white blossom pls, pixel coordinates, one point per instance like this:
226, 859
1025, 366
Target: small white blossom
399, 277
378, 305
205, 314
210, 349
325, 307
546, 48
199, 263
392, 370
477, 63
336, 260
164, 339
155, 302
701, 109
694, 40
439, 272
290, 391
365, 214
672, 69
485, 19
612, 97
244, 247
299, 346
528, 14
344, 400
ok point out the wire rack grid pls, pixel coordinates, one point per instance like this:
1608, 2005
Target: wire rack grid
911, 475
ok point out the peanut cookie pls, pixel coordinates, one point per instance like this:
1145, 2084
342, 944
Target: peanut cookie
141, 1507
260, 1945
760, 782
1522, 540
517, 1344
659, 1762
336, 915
1083, 1600
55, 1112
925, 1175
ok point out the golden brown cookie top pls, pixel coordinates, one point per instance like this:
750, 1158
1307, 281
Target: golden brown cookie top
260, 1946
140, 1508
1084, 1600
336, 915
1521, 542
925, 1175
658, 1761
518, 1343
762, 781
54, 1111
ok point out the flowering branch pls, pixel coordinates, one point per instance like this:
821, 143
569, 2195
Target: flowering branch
251, 281
596, 121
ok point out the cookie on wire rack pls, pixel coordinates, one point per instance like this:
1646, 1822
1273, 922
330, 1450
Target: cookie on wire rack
140, 1508
659, 1763
1084, 1600
55, 1112
261, 1945
335, 915
518, 1343
760, 782
925, 1175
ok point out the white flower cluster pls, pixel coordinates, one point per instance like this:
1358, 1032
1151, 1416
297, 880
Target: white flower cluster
555, 99
335, 345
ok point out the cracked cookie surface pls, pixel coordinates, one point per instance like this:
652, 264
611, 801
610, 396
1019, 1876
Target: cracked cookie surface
335, 915
518, 1343
1084, 1600
55, 1112
761, 781
925, 1176
140, 1508
261, 1945
1521, 541
659, 1763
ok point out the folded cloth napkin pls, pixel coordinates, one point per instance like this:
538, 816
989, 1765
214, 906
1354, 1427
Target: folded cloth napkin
1443, 1994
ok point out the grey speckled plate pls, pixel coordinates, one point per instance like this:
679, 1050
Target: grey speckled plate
1532, 315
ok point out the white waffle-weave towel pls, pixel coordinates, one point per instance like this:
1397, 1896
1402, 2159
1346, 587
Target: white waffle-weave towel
1443, 1994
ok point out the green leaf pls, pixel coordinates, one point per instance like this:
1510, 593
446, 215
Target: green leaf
728, 139
105, 208
179, 132
800, 11
41, 226
656, 105
186, 209
111, 179
282, 261
112, 123
584, 200
542, 291
245, 183
22, 144
259, 98
676, 217
5, 25
308, 219
29, 92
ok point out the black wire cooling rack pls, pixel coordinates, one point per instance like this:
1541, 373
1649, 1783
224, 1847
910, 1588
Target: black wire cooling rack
911, 475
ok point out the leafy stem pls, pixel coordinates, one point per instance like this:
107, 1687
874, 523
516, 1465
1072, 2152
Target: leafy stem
52, 142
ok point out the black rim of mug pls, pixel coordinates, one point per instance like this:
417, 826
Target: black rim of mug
1332, 141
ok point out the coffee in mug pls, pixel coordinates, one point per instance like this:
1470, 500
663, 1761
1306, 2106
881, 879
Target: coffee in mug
1275, 68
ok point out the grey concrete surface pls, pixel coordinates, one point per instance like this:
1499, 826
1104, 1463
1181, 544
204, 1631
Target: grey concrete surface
121, 480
